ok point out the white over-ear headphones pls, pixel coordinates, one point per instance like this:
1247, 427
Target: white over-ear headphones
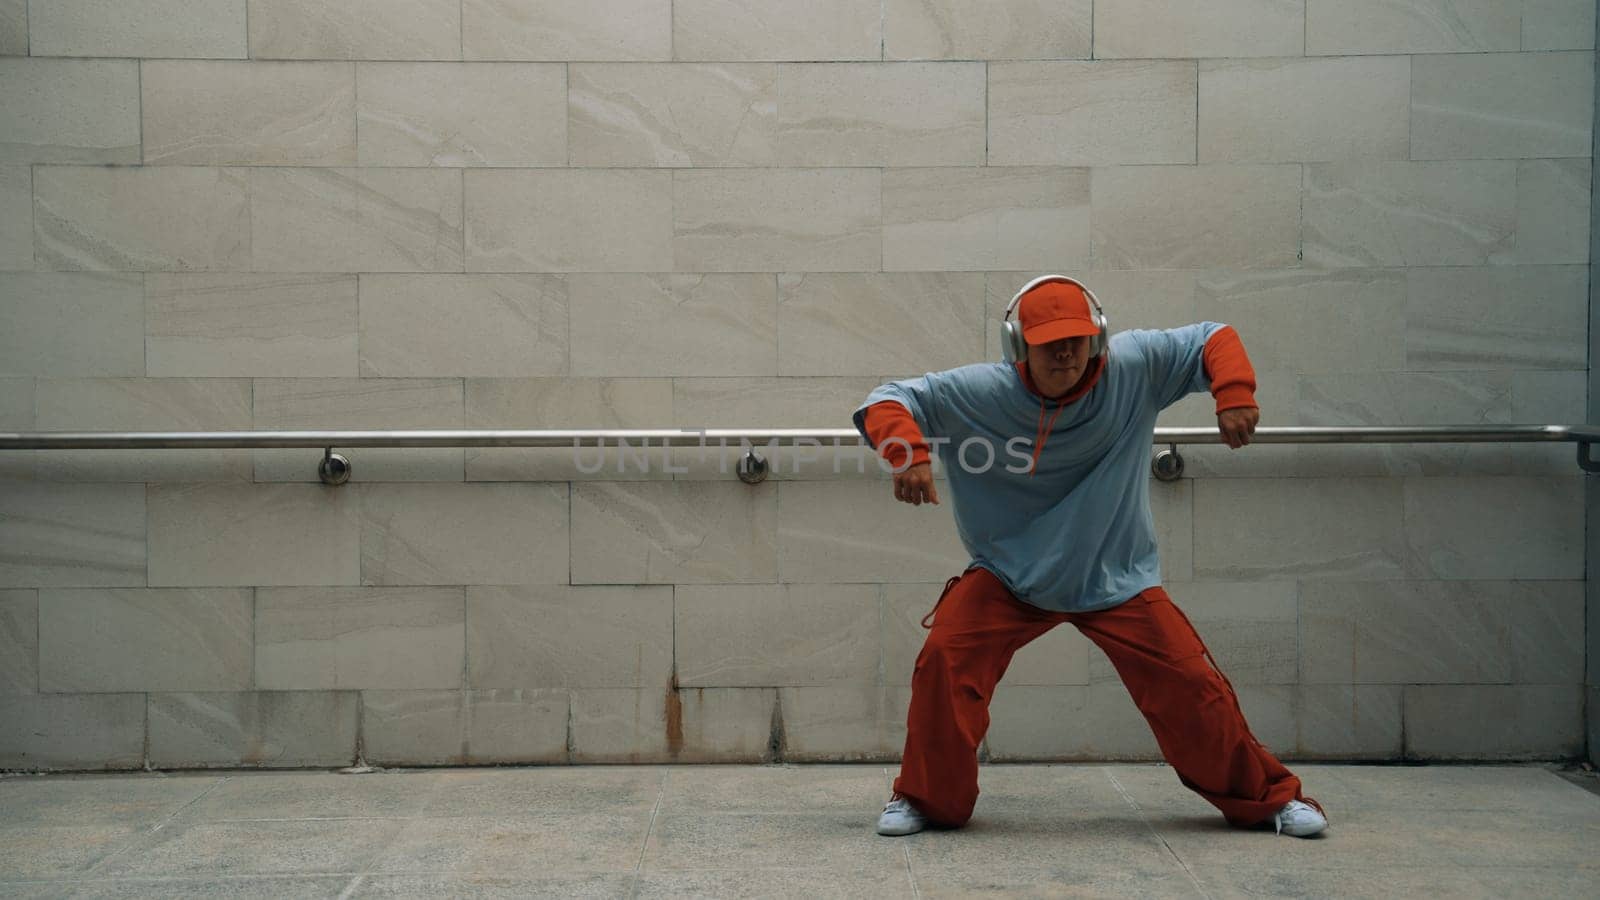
1011, 340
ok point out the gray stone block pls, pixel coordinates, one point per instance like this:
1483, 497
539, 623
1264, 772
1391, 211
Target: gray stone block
1068, 113
888, 114
149, 219
632, 30
673, 114
844, 724
672, 325
1534, 532
301, 219
854, 323
1502, 105
776, 30
19, 641
253, 534
145, 640
834, 220
775, 635
414, 728
359, 29
565, 220
1411, 26
449, 534
517, 727
985, 218
444, 727
16, 216
1194, 217
205, 325
833, 532
563, 636
997, 29
1396, 213
677, 533
267, 729
72, 535
1338, 721
353, 638
430, 728
250, 113
1277, 528
461, 114
69, 325
94, 111
72, 731
14, 27
1490, 721
211, 29
1154, 29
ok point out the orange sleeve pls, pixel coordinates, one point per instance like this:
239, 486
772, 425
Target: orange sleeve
888, 419
1233, 381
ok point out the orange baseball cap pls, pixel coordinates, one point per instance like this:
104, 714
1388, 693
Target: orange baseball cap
1055, 310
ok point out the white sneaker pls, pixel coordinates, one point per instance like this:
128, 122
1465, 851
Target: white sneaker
900, 817
1298, 819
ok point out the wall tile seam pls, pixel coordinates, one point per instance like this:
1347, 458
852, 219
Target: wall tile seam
466, 649
1429, 54
1405, 683
726, 61
361, 727
1194, 157
1591, 709
139, 88
245, 168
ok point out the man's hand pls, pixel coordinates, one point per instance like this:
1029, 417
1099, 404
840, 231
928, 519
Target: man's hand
915, 484
1237, 425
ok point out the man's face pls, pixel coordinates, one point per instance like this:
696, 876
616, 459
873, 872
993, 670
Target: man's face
1058, 366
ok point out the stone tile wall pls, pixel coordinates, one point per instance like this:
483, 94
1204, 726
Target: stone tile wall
291, 214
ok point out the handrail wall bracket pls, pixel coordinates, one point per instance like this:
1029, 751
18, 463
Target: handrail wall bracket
1167, 464
752, 468
1585, 462
334, 468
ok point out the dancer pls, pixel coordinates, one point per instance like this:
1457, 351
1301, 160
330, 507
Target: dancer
1060, 531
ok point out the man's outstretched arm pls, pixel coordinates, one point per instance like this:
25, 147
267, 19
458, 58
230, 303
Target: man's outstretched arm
894, 432
1233, 384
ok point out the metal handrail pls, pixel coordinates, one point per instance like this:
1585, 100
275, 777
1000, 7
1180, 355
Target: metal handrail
1167, 465
683, 437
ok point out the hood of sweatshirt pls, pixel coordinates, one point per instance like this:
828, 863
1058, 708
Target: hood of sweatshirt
1083, 387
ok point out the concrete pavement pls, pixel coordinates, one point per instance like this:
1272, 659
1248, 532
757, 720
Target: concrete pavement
783, 831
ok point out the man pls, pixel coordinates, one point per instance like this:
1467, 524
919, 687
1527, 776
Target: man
1062, 533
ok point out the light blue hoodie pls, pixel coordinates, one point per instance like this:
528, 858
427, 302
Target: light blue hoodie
1076, 535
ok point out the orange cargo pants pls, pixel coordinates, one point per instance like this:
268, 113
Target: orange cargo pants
1191, 707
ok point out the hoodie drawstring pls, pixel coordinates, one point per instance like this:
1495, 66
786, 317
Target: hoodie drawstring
1042, 434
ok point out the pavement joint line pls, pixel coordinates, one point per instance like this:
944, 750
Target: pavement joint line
195, 876
329, 819
1143, 818
350, 888
905, 849
906, 852
101, 863
638, 867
